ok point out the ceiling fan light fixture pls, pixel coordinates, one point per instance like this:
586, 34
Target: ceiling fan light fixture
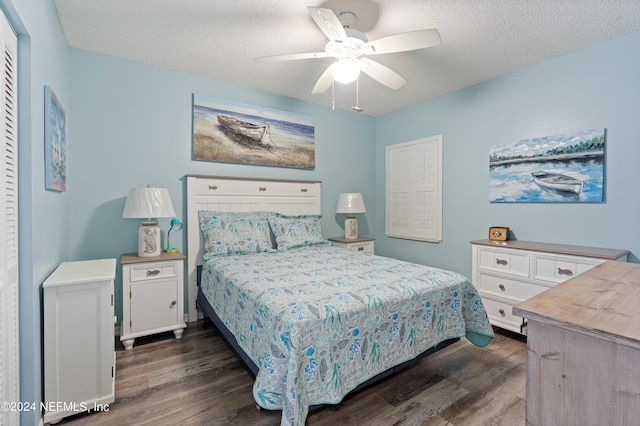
345, 70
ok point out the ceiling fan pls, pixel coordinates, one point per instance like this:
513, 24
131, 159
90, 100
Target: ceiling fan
351, 49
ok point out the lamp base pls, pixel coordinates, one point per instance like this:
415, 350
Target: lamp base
351, 228
149, 240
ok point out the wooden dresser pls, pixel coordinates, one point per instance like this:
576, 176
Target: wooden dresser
583, 349
509, 272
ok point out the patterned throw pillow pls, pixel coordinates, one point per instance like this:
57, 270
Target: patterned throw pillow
296, 231
227, 233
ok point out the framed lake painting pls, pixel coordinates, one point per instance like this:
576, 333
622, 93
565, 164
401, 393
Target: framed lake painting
233, 132
561, 168
55, 143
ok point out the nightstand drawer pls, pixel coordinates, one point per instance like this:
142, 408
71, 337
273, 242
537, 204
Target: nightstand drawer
363, 245
366, 247
153, 271
512, 289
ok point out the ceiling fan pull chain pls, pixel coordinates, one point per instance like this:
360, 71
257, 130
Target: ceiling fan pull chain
333, 96
357, 107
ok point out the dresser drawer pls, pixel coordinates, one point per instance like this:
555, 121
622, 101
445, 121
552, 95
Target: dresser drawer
556, 269
514, 262
152, 271
509, 288
501, 314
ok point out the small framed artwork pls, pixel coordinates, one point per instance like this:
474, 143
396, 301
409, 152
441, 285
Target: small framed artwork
55, 142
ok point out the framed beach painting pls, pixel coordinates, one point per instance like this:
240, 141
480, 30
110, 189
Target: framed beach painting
55, 142
562, 168
232, 132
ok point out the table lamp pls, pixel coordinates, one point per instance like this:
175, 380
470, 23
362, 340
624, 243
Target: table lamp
149, 203
176, 225
350, 203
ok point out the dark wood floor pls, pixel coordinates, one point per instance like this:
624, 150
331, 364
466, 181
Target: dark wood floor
198, 381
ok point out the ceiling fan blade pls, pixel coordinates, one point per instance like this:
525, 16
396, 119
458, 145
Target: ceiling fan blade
404, 42
381, 73
328, 23
324, 82
291, 57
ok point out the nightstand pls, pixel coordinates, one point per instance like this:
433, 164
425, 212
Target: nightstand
152, 296
360, 244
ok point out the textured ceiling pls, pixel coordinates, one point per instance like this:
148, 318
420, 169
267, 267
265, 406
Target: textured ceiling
219, 39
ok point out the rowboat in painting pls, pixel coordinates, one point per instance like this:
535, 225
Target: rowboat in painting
558, 181
252, 132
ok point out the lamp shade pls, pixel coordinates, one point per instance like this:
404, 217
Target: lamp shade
350, 202
345, 70
148, 203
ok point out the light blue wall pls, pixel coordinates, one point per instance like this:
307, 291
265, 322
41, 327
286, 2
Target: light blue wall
132, 126
598, 87
43, 240
129, 124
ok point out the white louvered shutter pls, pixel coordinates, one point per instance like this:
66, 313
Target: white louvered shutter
414, 190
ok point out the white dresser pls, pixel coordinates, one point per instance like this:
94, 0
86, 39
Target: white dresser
152, 296
79, 339
509, 272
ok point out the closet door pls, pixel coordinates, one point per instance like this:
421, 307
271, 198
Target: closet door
9, 361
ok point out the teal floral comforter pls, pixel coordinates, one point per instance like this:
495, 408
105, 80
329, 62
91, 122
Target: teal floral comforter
320, 320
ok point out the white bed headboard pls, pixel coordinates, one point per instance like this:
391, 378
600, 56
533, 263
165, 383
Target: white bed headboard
240, 195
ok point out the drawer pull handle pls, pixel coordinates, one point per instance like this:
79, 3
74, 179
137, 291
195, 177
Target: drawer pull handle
212, 187
173, 302
360, 248
262, 188
303, 189
501, 311
501, 261
568, 272
153, 273
501, 287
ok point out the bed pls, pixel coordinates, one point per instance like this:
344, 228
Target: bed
312, 322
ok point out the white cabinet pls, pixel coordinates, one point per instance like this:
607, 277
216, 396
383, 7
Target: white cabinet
361, 244
509, 272
153, 296
79, 340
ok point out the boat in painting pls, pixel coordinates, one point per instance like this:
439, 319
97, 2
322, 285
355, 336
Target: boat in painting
558, 181
256, 133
